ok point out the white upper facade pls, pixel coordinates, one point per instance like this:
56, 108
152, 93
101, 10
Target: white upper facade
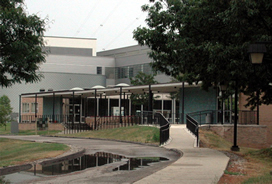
71, 43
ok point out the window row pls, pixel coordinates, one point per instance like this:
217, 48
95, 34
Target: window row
127, 71
29, 107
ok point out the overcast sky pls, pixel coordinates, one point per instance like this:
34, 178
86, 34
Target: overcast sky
111, 22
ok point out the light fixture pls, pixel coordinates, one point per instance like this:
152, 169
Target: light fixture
256, 53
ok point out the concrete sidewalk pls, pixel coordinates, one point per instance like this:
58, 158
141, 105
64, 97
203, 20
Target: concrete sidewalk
196, 166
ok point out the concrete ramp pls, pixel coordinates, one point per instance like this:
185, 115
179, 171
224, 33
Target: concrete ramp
197, 165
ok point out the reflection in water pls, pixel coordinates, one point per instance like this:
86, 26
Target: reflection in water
95, 160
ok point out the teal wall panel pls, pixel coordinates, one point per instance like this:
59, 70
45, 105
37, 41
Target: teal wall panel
196, 99
48, 106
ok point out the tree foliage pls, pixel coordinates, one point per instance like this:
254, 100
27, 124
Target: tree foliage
207, 40
141, 79
21, 44
5, 110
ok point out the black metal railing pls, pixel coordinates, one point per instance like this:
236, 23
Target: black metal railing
224, 117
193, 126
149, 117
45, 118
99, 123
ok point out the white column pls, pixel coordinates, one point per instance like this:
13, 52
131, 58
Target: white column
129, 106
162, 104
108, 106
97, 107
175, 110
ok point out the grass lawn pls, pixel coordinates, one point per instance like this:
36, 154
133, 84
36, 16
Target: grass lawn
5, 129
17, 152
255, 169
140, 134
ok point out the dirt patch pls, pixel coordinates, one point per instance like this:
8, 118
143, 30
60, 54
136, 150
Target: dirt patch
235, 172
241, 166
239, 169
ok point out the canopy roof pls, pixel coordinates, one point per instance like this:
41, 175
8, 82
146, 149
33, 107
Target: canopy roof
113, 91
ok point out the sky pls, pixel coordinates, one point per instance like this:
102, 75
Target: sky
111, 22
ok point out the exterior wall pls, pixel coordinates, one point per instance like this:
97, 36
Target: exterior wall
26, 126
71, 42
76, 64
55, 126
30, 101
265, 117
196, 99
252, 136
31, 126
55, 81
131, 56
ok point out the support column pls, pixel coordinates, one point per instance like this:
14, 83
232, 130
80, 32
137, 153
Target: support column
120, 106
150, 99
97, 103
124, 102
53, 119
172, 111
175, 110
182, 112
80, 113
230, 108
162, 104
258, 107
235, 146
73, 121
129, 101
20, 108
95, 108
36, 114
108, 106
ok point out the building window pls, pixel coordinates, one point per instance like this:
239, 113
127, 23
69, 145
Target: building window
33, 107
110, 72
99, 70
130, 72
25, 108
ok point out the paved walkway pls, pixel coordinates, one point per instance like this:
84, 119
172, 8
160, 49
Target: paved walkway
196, 166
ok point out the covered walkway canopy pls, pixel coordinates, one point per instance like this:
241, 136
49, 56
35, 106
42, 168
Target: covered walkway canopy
113, 91
117, 91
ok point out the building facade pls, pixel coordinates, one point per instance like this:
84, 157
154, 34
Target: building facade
73, 62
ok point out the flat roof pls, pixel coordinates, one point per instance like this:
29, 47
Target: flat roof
113, 91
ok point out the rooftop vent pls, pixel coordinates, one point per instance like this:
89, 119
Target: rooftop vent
76, 89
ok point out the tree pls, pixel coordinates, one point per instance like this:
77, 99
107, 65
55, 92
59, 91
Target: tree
208, 40
141, 79
5, 110
21, 44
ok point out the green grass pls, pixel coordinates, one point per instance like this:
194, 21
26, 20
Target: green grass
140, 134
18, 151
39, 132
263, 154
214, 140
232, 173
264, 179
5, 129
